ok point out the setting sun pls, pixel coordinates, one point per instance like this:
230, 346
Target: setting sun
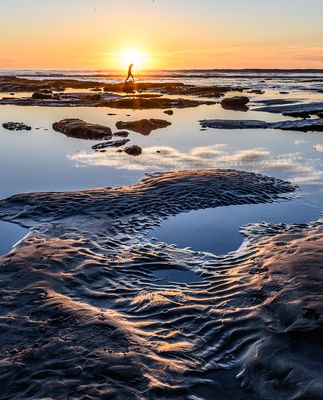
137, 58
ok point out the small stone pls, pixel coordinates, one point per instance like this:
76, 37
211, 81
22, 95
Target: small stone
133, 150
121, 134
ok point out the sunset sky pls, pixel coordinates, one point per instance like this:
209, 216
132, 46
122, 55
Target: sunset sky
168, 34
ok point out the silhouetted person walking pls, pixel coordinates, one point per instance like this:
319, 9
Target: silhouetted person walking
130, 73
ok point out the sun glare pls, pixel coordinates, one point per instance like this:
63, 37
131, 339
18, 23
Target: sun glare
137, 58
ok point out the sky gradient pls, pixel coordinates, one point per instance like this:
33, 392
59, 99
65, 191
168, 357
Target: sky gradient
90, 34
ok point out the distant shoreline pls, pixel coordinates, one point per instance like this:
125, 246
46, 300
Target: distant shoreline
175, 73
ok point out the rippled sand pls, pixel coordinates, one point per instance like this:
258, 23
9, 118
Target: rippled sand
85, 316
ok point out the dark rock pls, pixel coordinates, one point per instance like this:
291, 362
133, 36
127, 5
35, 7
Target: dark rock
233, 124
92, 97
304, 125
256, 91
19, 84
172, 88
42, 96
140, 103
16, 126
133, 150
275, 102
237, 103
82, 130
115, 143
143, 126
300, 114
169, 112
121, 134
310, 108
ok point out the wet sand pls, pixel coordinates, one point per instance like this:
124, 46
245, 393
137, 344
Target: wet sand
85, 314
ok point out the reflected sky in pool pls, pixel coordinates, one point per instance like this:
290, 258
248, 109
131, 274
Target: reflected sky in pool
10, 234
217, 230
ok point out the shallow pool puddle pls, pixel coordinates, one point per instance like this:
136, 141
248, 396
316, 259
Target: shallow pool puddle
10, 234
165, 276
218, 230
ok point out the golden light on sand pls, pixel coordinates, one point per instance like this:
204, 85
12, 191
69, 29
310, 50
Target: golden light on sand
137, 58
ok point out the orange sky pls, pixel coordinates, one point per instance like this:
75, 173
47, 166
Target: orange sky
91, 34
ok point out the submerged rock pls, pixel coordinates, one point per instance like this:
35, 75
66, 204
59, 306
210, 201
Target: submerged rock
296, 114
233, 124
143, 126
304, 125
275, 102
82, 130
113, 143
16, 126
169, 112
310, 108
133, 150
143, 103
238, 103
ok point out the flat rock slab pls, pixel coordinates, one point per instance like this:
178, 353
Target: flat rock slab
61, 100
112, 143
311, 108
309, 125
277, 102
80, 129
106, 100
143, 126
233, 124
143, 103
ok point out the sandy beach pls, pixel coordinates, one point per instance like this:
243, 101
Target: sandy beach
100, 298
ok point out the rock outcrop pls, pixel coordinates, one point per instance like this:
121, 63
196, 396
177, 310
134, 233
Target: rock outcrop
238, 103
79, 129
143, 126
